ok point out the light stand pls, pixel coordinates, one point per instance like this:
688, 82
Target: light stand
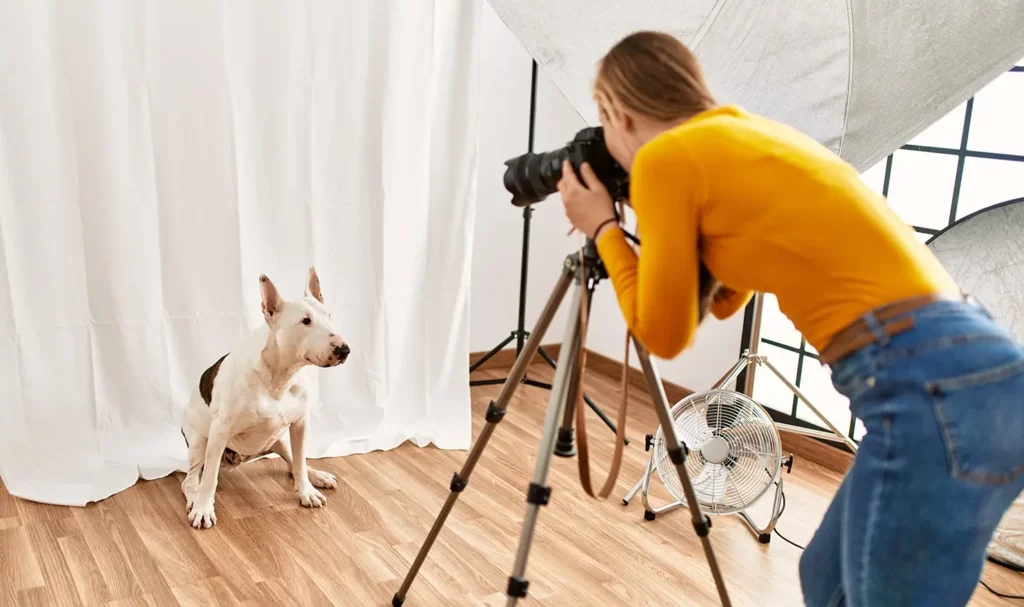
565, 446
751, 359
539, 493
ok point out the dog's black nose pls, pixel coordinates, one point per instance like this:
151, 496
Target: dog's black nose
341, 352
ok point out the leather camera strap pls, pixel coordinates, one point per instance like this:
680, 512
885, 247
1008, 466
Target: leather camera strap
581, 427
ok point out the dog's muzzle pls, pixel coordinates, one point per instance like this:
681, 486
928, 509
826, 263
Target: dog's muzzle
340, 353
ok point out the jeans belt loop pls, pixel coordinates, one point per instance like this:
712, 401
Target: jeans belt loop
876, 329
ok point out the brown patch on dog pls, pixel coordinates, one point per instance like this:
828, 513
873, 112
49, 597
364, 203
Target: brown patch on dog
206, 381
234, 458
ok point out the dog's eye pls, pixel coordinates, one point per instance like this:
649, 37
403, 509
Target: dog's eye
307, 321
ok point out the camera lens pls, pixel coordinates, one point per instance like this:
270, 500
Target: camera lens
531, 178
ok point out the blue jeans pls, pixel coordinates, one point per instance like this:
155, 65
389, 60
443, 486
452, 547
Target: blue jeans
941, 461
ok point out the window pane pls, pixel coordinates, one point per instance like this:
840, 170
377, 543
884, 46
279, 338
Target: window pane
921, 187
997, 124
987, 182
946, 132
816, 384
769, 390
859, 431
775, 326
923, 237
875, 177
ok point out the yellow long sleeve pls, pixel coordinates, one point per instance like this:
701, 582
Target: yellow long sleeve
768, 209
658, 292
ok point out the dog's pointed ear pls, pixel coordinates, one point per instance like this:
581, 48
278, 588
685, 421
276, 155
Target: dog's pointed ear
313, 285
272, 302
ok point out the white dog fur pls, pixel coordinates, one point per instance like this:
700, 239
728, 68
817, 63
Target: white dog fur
246, 401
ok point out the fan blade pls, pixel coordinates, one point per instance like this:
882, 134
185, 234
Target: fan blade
692, 428
749, 439
710, 485
729, 410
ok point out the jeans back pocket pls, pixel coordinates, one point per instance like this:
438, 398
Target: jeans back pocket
981, 416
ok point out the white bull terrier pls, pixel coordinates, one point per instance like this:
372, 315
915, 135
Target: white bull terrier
246, 401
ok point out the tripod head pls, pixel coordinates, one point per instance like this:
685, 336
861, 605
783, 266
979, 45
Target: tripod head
589, 264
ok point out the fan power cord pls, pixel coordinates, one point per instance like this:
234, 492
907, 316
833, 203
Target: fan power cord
784, 538
1014, 597
1011, 567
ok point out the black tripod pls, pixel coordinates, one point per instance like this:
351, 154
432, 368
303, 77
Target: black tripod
566, 442
562, 392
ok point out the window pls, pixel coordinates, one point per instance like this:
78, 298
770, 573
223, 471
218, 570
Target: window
996, 122
967, 161
922, 202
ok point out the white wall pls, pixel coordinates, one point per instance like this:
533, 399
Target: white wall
504, 116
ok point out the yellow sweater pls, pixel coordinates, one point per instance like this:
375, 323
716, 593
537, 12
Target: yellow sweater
768, 209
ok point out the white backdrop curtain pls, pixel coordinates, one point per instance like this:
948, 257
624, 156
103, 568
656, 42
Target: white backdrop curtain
156, 157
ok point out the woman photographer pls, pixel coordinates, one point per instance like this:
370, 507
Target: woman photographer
937, 383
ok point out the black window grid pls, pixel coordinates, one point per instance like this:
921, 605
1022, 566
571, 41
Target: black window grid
962, 153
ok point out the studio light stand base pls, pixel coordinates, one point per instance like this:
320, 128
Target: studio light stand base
538, 492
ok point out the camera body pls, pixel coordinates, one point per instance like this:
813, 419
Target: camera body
531, 178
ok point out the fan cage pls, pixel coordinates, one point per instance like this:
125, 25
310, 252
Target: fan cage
754, 459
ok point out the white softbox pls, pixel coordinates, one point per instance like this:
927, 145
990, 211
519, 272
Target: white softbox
861, 76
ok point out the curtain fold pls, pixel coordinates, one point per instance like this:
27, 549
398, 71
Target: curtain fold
156, 158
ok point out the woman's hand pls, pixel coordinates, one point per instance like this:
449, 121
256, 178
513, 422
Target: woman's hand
589, 207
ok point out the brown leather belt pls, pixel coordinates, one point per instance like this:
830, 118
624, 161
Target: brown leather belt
892, 320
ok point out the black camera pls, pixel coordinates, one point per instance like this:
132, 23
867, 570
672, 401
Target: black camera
531, 178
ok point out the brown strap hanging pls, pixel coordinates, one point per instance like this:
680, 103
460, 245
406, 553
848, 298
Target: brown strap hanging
620, 431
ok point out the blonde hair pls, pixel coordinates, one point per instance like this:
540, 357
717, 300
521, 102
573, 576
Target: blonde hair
655, 75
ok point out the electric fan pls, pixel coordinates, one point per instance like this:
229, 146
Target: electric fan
734, 457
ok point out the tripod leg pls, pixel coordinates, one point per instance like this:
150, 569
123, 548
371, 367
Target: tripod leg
565, 446
495, 413
564, 449
538, 492
677, 453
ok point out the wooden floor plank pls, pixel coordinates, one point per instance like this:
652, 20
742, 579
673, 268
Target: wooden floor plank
137, 547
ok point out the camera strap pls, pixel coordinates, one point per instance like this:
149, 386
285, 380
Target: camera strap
620, 430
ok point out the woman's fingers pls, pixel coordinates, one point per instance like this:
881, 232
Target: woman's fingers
568, 180
590, 177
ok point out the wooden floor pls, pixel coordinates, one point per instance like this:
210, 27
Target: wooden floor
137, 548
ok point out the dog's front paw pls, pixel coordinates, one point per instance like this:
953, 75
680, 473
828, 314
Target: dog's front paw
310, 497
324, 480
201, 515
